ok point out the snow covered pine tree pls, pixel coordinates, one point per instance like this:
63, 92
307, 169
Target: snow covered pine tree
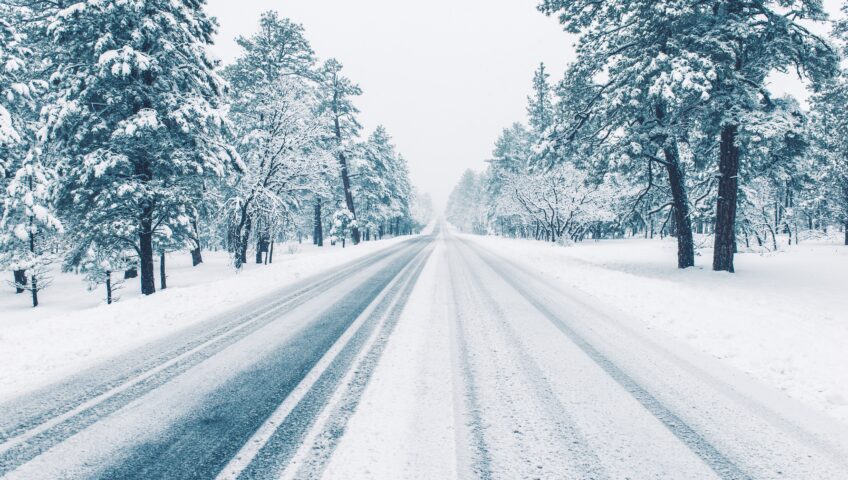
138, 118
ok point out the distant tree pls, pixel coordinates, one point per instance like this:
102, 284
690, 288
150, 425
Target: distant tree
541, 115
466, 208
381, 185
422, 209
512, 155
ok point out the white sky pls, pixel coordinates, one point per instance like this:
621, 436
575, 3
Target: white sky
444, 76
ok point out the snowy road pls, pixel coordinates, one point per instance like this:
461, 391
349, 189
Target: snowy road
434, 358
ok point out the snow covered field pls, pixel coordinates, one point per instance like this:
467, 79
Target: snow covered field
74, 328
782, 318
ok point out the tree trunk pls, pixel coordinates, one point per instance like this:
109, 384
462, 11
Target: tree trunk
728, 190
270, 257
20, 280
196, 252
682, 220
108, 288
846, 232
145, 254
260, 249
163, 284
196, 257
318, 228
348, 194
243, 241
34, 289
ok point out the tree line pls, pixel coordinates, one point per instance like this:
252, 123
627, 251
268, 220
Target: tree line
121, 139
664, 125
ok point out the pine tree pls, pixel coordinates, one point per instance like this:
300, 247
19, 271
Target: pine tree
137, 115
343, 222
743, 43
540, 107
28, 224
13, 91
280, 131
466, 204
512, 155
830, 124
338, 92
20, 94
670, 65
651, 85
377, 179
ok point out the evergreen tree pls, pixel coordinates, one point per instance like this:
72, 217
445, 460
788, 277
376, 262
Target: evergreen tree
743, 43
466, 208
652, 83
540, 114
13, 91
382, 185
338, 92
21, 93
830, 124
137, 115
280, 129
28, 225
670, 65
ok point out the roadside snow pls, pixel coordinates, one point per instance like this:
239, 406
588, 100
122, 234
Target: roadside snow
73, 328
782, 318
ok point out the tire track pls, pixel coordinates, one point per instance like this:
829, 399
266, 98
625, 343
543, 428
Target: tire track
579, 461
33, 437
322, 446
572, 438
723, 466
202, 442
481, 460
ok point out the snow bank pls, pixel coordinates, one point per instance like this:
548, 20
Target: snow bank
782, 318
74, 328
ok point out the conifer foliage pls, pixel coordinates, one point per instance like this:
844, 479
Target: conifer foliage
122, 140
665, 125
138, 119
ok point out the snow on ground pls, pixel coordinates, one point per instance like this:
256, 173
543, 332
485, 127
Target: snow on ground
73, 328
404, 425
782, 318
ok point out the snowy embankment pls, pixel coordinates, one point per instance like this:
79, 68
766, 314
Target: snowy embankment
782, 318
74, 328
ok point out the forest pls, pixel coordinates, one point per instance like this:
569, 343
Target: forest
664, 125
122, 140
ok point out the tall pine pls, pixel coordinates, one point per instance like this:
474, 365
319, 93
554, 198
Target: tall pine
138, 118
338, 92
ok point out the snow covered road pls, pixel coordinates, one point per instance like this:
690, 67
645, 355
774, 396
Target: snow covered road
434, 358
183, 407
552, 384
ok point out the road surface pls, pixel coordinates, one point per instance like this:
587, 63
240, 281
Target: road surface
434, 358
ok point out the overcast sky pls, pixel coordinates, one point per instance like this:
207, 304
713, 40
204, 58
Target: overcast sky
444, 76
